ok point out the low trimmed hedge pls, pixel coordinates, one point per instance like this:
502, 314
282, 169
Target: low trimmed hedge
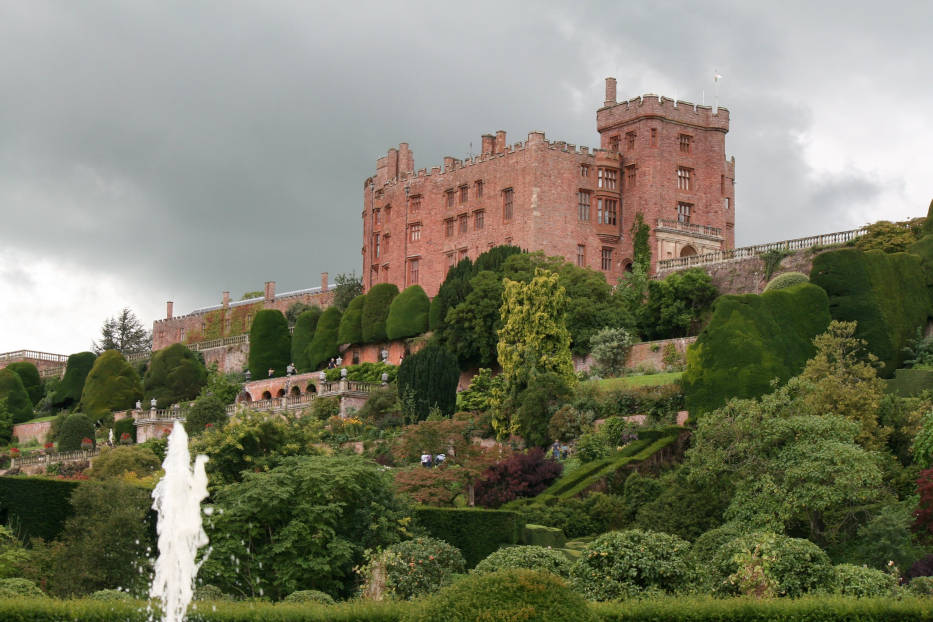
910, 382
37, 506
476, 532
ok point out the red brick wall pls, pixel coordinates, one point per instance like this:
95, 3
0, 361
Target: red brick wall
26, 432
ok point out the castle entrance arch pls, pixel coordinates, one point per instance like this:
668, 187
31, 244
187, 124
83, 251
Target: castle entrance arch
688, 251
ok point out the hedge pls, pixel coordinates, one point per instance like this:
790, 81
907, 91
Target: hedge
476, 532
408, 314
75, 428
175, 374
376, 310
112, 384
17, 399
127, 425
351, 327
911, 382
542, 535
72, 385
270, 344
750, 341
885, 293
325, 344
430, 376
305, 326
29, 374
788, 279
37, 506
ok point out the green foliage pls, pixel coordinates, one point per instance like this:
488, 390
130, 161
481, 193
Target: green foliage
921, 586
922, 448
175, 375
910, 382
886, 236
323, 408
884, 538
505, 596
256, 293
351, 329
117, 462
528, 557
408, 314
112, 384
452, 292
310, 596
110, 595
13, 554
126, 425
375, 311
305, 326
430, 378
269, 344
626, 564
707, 545
38, 506
125, 334
577, 517
206, 410
788, 279
224, 386
326, 343
610, 348
413, 568
684, 507
471, 328
568, 423
750, 341
532, 409
772, 260
592, 447
75, 428
76, 370
793, 566
477, 533
676, 304
482, 392
29, 374
302, 525
13, 393
365, 372
641, 245
349, 286
543, 536
884, 293
862, 582
19, 588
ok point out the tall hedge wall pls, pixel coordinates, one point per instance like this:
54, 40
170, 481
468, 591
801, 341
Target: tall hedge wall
36, 505
305, 326
72, 385
175, 374
477, 533
408, 314
351, 324
270, 344
112, 384
885, 293
376, 310
17, 399
29, 374
751, 340
325, 345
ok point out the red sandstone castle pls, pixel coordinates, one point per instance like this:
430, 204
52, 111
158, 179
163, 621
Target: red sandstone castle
658, 157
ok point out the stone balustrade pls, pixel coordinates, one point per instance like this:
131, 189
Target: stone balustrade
686, 227
81, 455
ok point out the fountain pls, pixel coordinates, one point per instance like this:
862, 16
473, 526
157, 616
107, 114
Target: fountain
178, 497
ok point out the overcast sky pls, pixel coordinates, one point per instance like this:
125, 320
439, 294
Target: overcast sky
170, 150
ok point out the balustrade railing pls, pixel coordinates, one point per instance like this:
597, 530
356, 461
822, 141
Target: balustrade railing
690, 228
217, 343
34, 356
54, 457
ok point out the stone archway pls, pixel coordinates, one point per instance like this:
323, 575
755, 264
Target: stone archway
311, 388
627, 265
266, 395
688, 251
295, 392
244, 397
281, 393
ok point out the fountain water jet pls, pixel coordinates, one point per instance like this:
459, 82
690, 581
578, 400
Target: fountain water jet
177, 499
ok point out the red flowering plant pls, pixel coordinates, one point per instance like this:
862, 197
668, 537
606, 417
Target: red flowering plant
14, 452
126, 438
86, 443
49, 447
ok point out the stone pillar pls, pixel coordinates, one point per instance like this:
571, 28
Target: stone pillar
500, 141
610, 92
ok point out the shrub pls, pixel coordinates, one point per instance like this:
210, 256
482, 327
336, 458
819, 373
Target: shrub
863, 582
638, 491
351, 328
921, 586
408, 314
625, 564
29, 374
521, 475
413, 568
365, 372
788, 279
19, 588
592, 446
323, 408
270, 345
505, 596
752, 340
592, 515
923, 567
792, 565
305, 325
610, 348
211, 592
110, 595
428, 378
705, 547
14, 394
676, 304
476, 532
75, 428
568, 423
72, 385
127, 425
175, 374
325, 344
454, 290
309, 596
541, 535
529, 557
120, 460
112, 384
206, 410
376, 310
618, 431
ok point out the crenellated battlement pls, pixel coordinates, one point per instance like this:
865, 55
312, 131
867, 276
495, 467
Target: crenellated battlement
650, 105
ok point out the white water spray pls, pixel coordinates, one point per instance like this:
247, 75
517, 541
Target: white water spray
178, 497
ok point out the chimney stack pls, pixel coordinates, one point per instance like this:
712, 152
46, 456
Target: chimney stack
270, 291
610, 92
489, 143
168, 309
500, 141
323, 281
226, 300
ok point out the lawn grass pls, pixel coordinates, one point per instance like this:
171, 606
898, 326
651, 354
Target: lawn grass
646, 380
39, 419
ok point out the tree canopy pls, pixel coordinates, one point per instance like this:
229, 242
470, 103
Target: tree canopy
123, 333
175, 374
349, 286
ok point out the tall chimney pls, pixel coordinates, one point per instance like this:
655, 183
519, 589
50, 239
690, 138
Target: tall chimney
323, 281
500, 141
226, 300
489, 143
610, 92
168, 309
270, 291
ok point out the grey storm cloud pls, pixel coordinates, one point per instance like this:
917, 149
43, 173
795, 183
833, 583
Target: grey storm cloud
191, 147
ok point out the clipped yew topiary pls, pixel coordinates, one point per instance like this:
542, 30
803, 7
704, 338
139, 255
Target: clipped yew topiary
750, 341
305, 325
75, 428
788, 279
72, 385
175, 374
270, 344
29, 374
408, 314
325, 344
376, 310
528, 557
505, 596
112, 384
14, 393
427, 379
351, 327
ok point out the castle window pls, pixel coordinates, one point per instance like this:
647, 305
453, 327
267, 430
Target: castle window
450, 198
685, 140
508, 241
413, 266
450, 260
464, 194
376, 245
415, 229
461, 254
725, 203
606, 178
181, 335
684, 178
630, 140
654, 137
606, 259
377, 215
507, 196
614, 143
249, 320
227, 325
583, 206
631, 174
606, 211
415, 205
203, 327
449, 228
385, 242
584, 170
478, 188
478, 220
683, 212
581, 255
464, 222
